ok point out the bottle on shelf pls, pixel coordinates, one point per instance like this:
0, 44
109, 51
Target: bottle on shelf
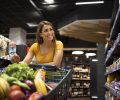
12, 48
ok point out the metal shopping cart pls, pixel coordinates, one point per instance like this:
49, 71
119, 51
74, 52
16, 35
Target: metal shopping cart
60, 76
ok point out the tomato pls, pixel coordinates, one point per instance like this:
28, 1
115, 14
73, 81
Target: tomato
15, 87
35, 96
16, 95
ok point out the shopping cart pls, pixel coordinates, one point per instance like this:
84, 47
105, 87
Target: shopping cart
60, 76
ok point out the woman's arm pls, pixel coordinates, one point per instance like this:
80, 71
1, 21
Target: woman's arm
16, 59
28, 58
57, 58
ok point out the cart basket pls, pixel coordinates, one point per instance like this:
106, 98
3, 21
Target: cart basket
61, 91
63, 78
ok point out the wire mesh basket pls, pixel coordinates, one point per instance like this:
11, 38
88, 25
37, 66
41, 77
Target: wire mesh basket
60, 76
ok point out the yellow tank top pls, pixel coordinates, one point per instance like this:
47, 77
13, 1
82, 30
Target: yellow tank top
44, 58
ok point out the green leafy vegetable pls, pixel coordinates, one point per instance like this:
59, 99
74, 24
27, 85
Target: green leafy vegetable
20, 71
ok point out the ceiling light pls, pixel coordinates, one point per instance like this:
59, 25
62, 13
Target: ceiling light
76, 58
77, 52
32, 24
101, 32
49, 1
90, 54
94, 60
92, 2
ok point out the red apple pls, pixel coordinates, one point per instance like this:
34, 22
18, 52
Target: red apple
16, 95
35, 96
14, 87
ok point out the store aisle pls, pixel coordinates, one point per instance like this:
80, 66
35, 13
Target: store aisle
82, 98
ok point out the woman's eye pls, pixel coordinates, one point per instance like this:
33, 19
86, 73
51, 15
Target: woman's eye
51, 29
48, 30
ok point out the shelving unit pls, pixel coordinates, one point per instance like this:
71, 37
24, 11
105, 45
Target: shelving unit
112, 61
80, 84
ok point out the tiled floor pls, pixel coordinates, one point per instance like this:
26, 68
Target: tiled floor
82, 98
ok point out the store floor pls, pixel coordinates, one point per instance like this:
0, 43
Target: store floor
82, 98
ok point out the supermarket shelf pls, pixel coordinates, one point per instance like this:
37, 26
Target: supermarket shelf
79, 96
81, 87
81, 79
84, 64
114, 52
115, 29
118, 94
116, 68
80, 82
80, 71
112, 90
107, 86
108, 98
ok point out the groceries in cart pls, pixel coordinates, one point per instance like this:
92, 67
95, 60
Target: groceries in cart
21, 82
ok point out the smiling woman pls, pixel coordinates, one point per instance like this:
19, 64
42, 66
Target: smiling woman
47, 50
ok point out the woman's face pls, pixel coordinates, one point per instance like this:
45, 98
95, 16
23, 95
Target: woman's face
47, 32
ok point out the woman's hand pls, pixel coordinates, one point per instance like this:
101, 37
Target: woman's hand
15, 58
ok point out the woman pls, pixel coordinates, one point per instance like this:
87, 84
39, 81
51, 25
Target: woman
47, 50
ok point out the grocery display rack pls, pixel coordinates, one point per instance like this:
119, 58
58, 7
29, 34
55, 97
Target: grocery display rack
112, 61
80, 84
61, 91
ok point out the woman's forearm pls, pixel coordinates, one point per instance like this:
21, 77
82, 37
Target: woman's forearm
53, 63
